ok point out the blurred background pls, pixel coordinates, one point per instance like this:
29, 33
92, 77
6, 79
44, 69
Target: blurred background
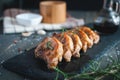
76, 5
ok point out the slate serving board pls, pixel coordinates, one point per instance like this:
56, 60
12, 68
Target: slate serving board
27, 65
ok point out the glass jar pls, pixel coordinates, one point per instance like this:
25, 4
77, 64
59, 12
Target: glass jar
108, 19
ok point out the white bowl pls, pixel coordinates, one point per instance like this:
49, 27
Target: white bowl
28, 19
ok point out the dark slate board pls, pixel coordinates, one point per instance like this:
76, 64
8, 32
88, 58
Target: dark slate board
27, 65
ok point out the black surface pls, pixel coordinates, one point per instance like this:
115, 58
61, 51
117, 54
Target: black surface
1, 26
85, 5
27, 65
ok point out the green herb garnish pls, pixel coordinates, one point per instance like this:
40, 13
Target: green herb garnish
94, 72
63, 30
49, 45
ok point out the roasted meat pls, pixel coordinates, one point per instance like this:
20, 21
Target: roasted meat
65, 45
77, 43
86, 42
50, 50
91, 34
68, 46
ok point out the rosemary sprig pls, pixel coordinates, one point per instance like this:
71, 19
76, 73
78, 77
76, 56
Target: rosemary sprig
57, 76
63, 30
94, 73
98, 74
49, 45
61, 72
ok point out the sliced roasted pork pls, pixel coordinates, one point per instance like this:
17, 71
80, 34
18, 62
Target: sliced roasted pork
68, 46
77, 43
65, 45
91, 34
50, 50
86, 42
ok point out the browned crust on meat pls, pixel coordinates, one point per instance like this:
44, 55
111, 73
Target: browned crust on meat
91, 34
51, 56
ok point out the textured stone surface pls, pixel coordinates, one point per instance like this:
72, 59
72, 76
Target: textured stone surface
13, 44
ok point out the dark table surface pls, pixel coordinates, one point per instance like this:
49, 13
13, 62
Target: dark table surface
13, 44
7, 43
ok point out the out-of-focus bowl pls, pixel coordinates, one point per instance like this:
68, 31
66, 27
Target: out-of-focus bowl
27, 19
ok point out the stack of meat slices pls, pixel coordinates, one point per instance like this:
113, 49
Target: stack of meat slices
65, 45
